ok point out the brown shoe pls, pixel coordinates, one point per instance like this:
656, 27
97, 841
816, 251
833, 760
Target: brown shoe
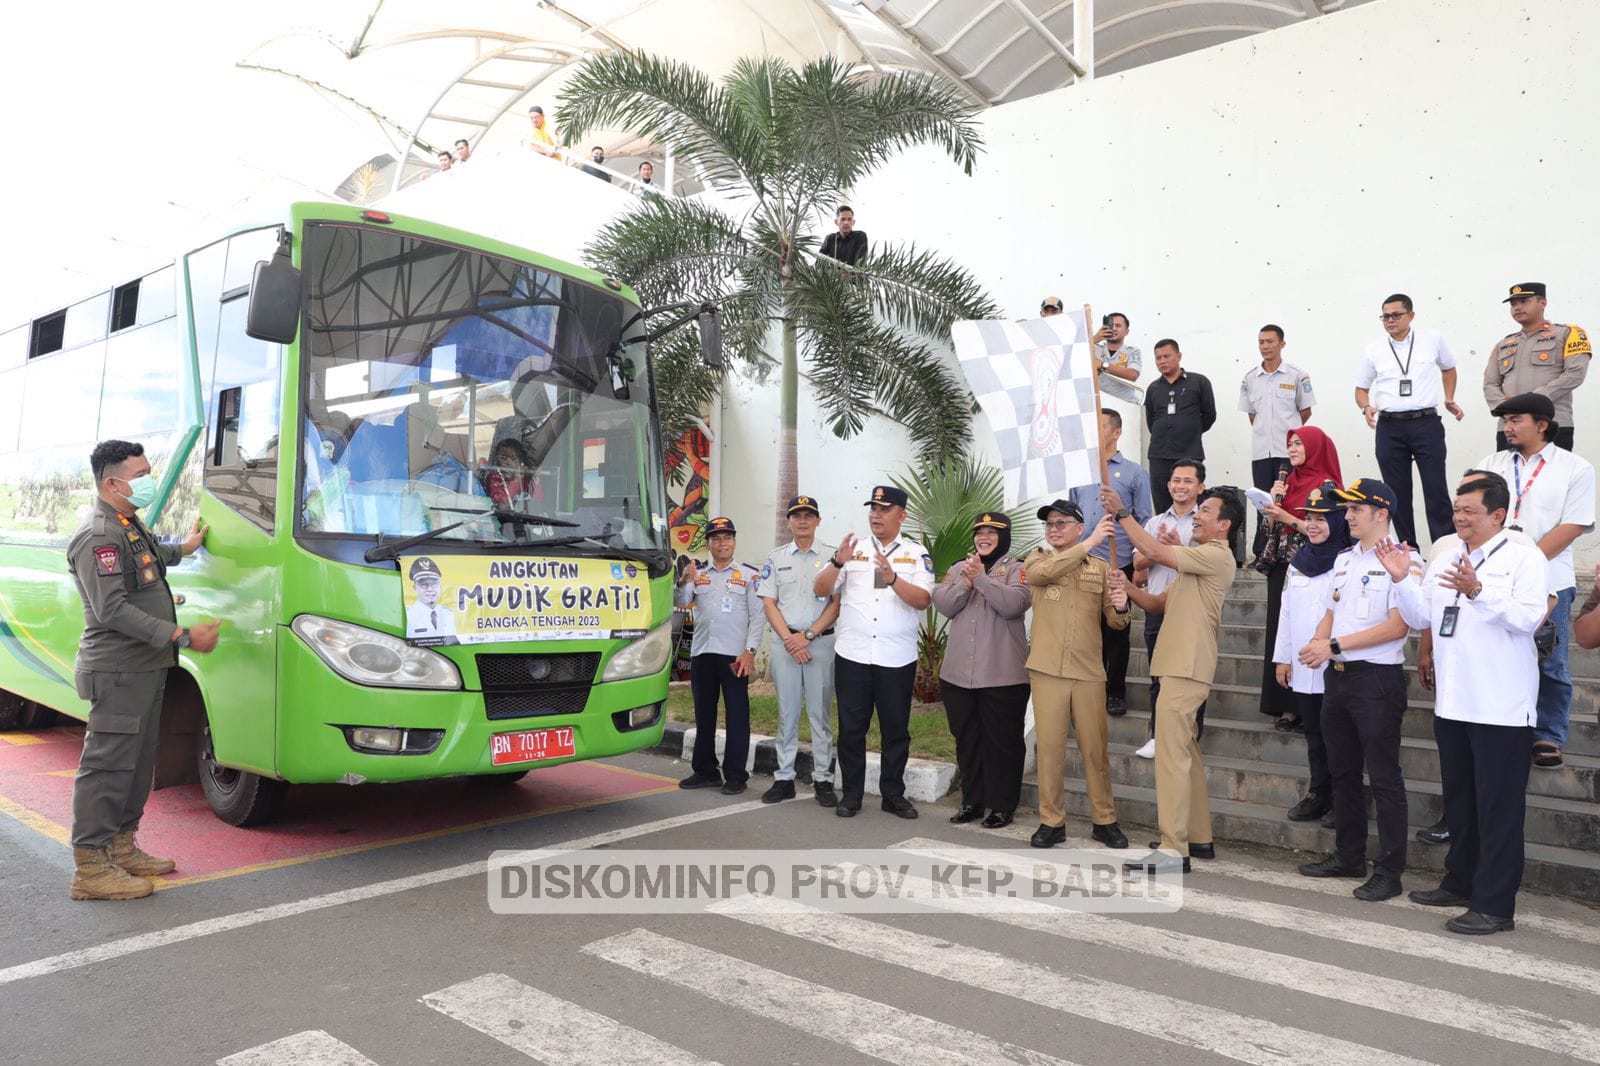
97, 877
126, 853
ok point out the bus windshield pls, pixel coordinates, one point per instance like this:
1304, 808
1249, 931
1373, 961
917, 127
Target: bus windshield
446, 387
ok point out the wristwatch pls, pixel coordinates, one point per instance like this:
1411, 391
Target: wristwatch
1333, 646
1474, 593
809, 635
834, 559
1122, 512
893, 579
183, 639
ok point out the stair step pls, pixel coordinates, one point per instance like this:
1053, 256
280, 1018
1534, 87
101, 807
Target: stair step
1244, 668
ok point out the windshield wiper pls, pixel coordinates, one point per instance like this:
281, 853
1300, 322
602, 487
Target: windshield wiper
506, 514
652, 561
391, 549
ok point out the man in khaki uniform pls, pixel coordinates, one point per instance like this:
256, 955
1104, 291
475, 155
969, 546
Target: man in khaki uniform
1544, 357
1186, 662
1071, 594
130, 641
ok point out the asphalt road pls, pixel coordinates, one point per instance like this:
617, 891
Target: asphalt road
391, 955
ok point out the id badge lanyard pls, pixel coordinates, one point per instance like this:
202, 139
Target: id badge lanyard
1452, 613
1405, 368
1522, 493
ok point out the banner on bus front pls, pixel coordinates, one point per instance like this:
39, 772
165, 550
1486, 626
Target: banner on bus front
467, 599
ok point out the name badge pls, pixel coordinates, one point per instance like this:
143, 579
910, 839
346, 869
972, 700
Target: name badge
727, 605
1405, 386
1447, 624
1172, 406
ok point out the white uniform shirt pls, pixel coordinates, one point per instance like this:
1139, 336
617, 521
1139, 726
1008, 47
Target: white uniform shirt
876, 627
1305, 601
1276, 399
1417, 359
1557, 489
1162, 577
1488, 672
1360, 595
425, 621
788, 576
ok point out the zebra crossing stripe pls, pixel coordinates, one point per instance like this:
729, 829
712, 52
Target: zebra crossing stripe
1455, 950
310, 1048
545, 1027
1191, 1025
868, 1026
1324, 980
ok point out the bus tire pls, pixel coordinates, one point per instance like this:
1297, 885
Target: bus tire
236, 796
501, 779
19, 714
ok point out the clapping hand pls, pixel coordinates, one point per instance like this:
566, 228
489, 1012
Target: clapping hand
847, 549
1169, 535
972, 568
884, 567
1462, 577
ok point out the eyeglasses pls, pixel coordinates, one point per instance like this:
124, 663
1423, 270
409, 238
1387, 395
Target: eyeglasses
1063, 523
1393, 316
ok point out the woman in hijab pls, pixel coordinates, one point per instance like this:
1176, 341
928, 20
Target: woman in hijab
1312, 460
984, 679
1310, 571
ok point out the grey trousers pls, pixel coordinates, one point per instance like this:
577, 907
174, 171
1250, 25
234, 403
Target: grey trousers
119, 753
813, 684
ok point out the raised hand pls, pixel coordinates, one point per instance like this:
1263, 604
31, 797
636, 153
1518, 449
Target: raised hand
690, 572
1462, 577
846, 550
1169, 535
1102, 529
1394, 558
884, 567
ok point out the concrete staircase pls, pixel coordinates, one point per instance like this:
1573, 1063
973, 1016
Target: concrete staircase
1256, 773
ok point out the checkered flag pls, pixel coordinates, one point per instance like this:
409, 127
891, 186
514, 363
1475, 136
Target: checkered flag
1034, 380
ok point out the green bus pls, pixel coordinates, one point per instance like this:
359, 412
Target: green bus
358, 405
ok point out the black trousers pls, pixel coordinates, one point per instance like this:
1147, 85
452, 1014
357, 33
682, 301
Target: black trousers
1310, 707
1421, 440
1160, 474
860, 689
1563, 440
1114, 647
987, 724
710, 676
1152, 629
1362, 713
1484, 770
1263, 475
1275, 699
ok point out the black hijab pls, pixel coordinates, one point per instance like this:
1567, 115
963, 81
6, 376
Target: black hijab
1314, 560
1000, 549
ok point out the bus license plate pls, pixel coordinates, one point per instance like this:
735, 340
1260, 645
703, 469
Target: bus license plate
531, 746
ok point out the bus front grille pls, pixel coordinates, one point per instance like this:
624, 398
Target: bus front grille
528, 686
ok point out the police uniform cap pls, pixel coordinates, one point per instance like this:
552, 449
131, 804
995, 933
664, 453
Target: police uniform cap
992, 520
887, 496
1050, 303
423, 569
1066, 507
1528, 403
1322, 499
1368, 490
1525, 288
804, 503
720, 525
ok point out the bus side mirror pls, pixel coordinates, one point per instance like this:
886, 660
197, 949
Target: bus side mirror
710, 320
274, 312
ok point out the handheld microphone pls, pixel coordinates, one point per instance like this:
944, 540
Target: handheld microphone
1283, 475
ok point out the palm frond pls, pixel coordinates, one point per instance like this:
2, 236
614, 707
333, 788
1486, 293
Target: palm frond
671, 249
912, 109
922, 290
685, 386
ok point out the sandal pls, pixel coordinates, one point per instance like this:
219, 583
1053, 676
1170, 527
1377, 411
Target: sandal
1288, 723
1546, 755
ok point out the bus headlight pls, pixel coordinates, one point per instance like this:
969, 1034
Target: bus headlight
645, 656
368, 657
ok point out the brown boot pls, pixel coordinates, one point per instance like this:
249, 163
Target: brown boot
126, 853
97, 877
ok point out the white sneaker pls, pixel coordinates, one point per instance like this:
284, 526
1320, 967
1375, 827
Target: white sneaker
1149, 749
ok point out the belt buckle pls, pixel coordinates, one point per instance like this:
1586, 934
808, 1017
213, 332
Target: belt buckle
1339, 667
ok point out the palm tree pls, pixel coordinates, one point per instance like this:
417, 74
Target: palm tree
781, 147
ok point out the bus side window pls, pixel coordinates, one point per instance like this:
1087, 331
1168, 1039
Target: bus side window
242, 462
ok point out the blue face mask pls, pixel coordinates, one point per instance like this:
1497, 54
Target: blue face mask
141, 491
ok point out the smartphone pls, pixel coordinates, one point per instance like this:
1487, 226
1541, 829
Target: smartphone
1105, 320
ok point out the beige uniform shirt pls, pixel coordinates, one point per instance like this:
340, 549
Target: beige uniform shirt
1187, 646
988, 646
1070, 597
1551, 361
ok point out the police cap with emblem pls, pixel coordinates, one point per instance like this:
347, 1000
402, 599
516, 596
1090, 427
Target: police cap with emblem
423, 569
804, 503
719, 525
1050, 303
1322, 499
1525, 288
1368, 490
992, 520
1066, 507
887, 496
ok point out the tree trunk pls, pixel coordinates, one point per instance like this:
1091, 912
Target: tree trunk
788, 445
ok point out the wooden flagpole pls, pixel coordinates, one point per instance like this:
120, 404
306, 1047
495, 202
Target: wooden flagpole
1105, 474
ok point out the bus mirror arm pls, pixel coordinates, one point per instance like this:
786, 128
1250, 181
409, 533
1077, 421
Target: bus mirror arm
710, 322
275, 294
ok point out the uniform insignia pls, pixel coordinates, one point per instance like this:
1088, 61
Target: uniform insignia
147, 576
1053, 592
702, 580
1505, 364
133, 538
1544, 357
110, 561
124, 520
1577, 344
766, 571
1023, 574
904, 559
146, 559
1335, 595
736, 579
927, 563
859, 557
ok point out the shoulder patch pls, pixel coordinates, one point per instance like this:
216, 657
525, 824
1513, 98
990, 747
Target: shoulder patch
766, 570
927, 562
109, 560
1577, 343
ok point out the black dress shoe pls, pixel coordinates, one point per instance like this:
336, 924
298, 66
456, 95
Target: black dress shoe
824, 793
899, 806
1437, 833
1048, 836
997, 820
701, 781
1438, 897
1332, 867
1196, 851
1158, 863
848, 808
1116, 706
1110, 834
733, 788
1476, 923
780, 791
1314, 806
968, 812
1379, 887
1327, 819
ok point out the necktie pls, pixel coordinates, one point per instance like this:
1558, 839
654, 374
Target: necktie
433, 619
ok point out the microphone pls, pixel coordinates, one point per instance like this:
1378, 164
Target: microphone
1283, 475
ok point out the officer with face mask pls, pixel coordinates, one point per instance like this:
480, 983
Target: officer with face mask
130, 642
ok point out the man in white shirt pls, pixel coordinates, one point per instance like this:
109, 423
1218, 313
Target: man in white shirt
427, 620
1482, 604
885, 583
1552, 500
1397, 388
1175, 525
1363, 637
1277, 397
1120, 362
